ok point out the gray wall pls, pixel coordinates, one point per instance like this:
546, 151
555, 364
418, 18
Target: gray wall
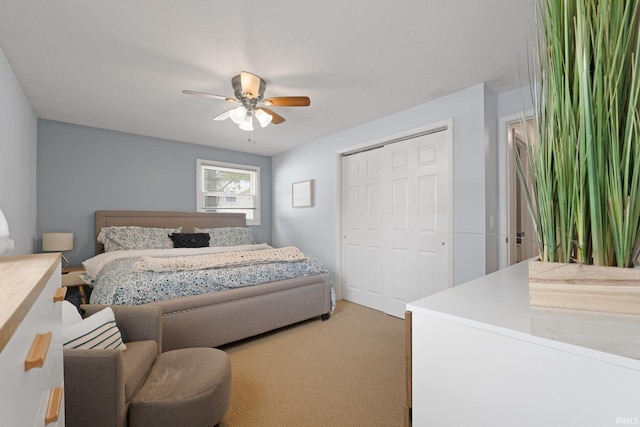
314, 229
83, 169
18, 141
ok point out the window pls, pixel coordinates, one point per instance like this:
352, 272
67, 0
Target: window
225, 187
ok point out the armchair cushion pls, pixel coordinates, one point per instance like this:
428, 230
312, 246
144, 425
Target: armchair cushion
136, 364
70, 314
98, 331
137, 323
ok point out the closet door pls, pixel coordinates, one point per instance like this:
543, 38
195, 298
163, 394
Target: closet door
363, 228
395, 223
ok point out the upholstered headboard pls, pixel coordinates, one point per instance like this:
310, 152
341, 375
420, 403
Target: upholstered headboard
161, 219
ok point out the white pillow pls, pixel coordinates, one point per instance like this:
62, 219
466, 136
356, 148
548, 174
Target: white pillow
70, 314
132, 238
98, 331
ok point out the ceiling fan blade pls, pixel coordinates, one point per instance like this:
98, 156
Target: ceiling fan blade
288, 101
209, 95
223, 116
277, 118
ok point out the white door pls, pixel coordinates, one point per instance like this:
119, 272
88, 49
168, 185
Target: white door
522, 235
395, 221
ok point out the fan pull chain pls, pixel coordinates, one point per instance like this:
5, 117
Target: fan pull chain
252, 137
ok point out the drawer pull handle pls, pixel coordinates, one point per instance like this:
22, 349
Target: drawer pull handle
38, 351
60, 294
53, 407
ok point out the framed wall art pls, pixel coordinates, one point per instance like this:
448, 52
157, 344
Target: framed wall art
302, 194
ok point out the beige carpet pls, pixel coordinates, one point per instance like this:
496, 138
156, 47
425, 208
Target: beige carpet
347, 371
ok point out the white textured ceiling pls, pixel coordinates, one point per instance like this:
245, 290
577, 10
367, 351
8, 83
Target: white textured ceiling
122, 64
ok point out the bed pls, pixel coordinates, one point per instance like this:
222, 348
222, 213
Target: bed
200, 312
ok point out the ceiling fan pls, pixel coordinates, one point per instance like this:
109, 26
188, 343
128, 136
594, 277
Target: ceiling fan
249, 92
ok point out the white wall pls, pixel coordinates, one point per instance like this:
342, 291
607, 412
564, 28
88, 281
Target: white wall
314, 229
18, 143
491, 179
514, 102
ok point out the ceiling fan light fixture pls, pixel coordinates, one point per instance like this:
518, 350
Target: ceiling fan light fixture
250, 84
249, 91
263, 117
238, 114
247, 123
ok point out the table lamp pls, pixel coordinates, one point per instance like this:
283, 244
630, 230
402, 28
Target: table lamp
57, 242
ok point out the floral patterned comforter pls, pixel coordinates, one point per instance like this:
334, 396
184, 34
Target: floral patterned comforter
117, 283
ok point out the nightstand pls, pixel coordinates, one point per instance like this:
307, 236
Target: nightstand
71, 279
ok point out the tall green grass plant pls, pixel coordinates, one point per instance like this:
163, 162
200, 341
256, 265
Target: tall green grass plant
584, 158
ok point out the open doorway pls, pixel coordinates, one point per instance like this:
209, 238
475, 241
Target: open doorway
521, 235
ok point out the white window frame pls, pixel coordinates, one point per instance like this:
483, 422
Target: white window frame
200, 163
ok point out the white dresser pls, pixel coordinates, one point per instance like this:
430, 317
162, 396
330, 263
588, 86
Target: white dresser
31, 365
476, 362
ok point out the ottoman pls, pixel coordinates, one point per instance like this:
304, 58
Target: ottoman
186, 387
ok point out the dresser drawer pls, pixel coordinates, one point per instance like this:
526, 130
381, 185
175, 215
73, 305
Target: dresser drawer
25, 394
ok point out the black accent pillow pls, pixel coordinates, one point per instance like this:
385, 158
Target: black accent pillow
190, 240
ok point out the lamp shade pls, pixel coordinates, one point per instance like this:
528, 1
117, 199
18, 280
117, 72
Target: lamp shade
247, 123
238, 114
57, 242
263, 117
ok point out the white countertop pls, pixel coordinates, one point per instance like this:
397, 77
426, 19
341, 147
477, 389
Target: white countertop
499, 303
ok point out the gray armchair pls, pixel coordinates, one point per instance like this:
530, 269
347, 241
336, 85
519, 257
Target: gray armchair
99, 384
141, 386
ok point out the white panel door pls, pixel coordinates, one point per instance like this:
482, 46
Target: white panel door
395, 223
362, 267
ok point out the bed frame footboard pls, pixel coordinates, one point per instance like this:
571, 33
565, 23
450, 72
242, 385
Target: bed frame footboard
216, 319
